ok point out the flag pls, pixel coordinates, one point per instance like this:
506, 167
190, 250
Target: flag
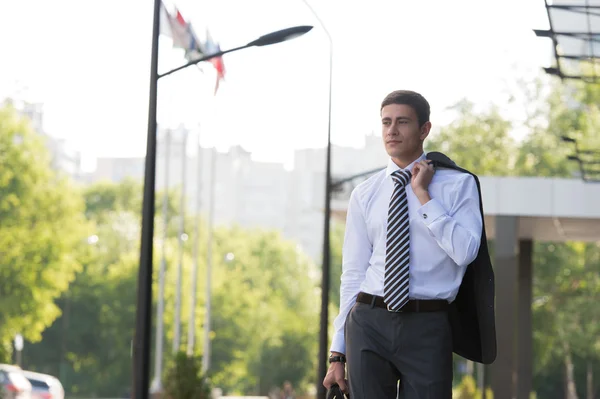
181, 33
184, 37
193, 50
164, 23
212, 47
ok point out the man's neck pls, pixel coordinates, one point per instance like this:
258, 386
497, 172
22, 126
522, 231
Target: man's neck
405, 161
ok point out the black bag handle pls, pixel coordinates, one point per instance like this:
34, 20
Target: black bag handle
336, 393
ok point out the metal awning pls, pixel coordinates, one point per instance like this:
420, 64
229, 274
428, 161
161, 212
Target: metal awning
575, 33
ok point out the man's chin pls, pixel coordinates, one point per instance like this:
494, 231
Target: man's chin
395, 154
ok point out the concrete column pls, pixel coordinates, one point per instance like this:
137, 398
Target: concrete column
524, 334
505, 268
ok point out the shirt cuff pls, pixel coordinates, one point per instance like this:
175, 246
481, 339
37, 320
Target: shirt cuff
431, 211
338, 343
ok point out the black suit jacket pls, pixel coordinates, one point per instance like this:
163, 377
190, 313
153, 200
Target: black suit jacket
472, 316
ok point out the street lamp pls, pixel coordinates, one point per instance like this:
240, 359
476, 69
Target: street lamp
326, 267
141, 348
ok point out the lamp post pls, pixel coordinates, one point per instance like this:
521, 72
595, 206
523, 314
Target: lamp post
19, 349
141, 343
326, 267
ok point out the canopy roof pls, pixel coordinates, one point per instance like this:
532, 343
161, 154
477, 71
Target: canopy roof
575, 32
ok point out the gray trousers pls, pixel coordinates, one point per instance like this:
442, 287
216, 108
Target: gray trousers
383, 348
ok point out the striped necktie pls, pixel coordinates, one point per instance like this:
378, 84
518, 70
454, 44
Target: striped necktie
395, 291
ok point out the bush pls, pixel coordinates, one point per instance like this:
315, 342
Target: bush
467, 389
184, 379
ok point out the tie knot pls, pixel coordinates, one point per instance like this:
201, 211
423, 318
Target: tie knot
401, 177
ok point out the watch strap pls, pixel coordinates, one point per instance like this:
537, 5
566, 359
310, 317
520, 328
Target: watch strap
337, 358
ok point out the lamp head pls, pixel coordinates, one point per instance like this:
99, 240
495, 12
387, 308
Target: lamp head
280, 36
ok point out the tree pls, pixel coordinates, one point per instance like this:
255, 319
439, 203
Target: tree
184, 379
337, 243
265, 313
89, 346
565, 281
264, 323
477, 141
42, 225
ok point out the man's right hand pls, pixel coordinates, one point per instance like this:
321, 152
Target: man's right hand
336, 375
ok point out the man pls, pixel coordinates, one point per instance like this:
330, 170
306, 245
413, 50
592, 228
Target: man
411, 232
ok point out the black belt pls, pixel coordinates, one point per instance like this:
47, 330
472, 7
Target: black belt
413, 305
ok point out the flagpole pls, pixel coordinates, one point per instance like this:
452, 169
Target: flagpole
209, 262
141, 342
177, 335
160, 308
192, 322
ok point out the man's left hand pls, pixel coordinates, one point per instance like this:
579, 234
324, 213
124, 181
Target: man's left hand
422, 173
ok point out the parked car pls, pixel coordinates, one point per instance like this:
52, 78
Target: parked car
44, 386
14, 383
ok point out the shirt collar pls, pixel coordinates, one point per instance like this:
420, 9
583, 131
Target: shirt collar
392, 167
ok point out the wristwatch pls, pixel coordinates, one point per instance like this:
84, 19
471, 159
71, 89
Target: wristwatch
338, 358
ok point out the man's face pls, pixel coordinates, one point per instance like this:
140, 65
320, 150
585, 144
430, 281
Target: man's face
400, 130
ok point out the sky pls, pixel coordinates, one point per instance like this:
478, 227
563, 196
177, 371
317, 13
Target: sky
88, 62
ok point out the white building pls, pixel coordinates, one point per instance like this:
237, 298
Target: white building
117, 169
64, 158
307, 200
249, 193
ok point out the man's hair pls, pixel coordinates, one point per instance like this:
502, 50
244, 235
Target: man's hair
410, 98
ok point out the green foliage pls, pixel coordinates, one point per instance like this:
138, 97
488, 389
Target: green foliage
42, 226
88, 347
467, 389
262, 293
263, 324
566, 282
337, 242
184, 379
479, 142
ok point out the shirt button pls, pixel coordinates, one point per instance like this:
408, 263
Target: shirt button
424, 216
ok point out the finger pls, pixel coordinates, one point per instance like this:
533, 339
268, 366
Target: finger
424, 165
343, 386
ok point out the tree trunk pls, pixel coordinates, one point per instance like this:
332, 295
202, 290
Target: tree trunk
570, 388
590, 381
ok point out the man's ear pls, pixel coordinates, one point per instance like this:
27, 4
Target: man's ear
425, 129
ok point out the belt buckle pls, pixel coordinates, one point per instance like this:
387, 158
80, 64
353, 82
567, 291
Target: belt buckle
392, 310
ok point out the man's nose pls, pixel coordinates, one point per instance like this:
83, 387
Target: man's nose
392, 130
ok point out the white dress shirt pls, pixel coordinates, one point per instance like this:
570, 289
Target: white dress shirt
445, 235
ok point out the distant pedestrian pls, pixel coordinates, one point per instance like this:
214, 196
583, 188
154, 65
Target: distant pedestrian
288, 391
